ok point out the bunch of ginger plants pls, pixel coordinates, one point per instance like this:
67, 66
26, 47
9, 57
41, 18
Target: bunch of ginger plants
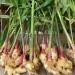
26, 16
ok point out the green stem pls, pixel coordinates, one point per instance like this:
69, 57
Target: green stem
8, 25
70, 24
14, 42
57, 31
32, 30
51, 30
64, 28
21, 27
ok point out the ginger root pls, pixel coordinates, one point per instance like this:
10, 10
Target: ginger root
64, 66
70, 55
49, 66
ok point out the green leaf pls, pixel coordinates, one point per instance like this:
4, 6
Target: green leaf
44, 4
